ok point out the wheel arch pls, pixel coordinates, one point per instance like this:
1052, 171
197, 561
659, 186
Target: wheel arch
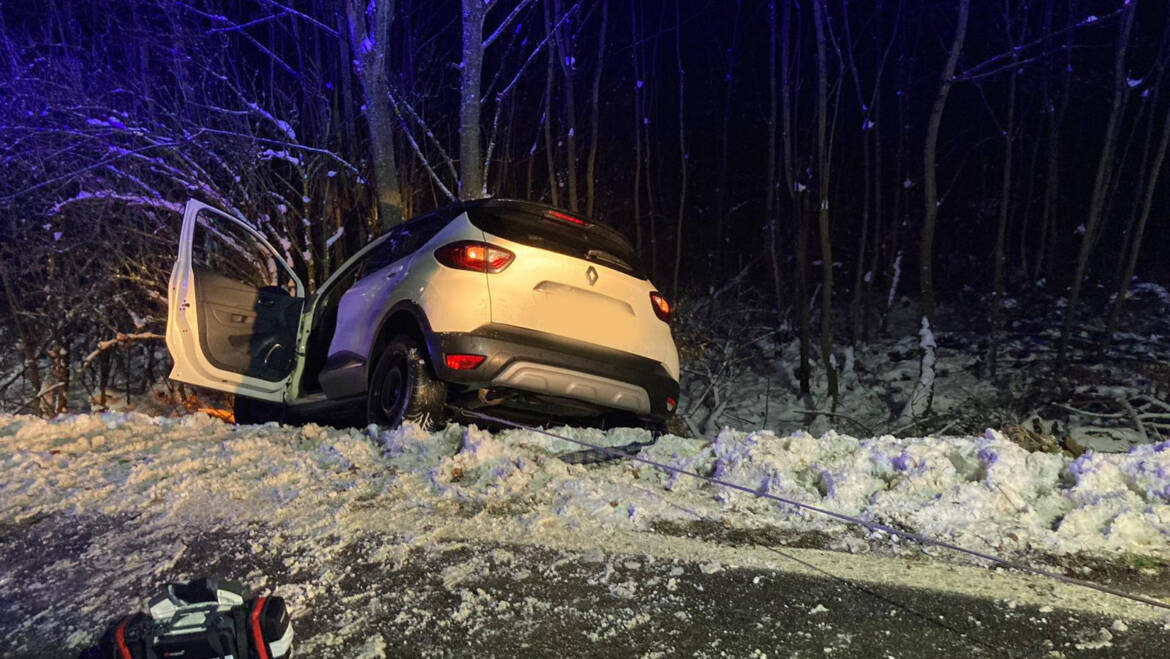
404, 318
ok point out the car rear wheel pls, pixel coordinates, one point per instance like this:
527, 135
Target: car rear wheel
402, 388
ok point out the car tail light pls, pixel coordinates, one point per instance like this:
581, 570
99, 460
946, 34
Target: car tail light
661, 306
470, 255
671, 404
564, 217
464, 362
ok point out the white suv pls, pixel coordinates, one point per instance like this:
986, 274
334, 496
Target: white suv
534, 312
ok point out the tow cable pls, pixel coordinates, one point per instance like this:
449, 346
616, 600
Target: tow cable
596, 455
604, 454
618, 453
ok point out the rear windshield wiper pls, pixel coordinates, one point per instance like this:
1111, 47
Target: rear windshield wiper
602, 256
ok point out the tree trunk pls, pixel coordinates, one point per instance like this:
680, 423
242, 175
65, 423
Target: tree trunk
823, 219
724, 141
856, 307
1048, 234
929, 184
799, 206
564, 46
370, 43
1104, 173
470, 79
650, 143
638, 84
594, 118
31, 368
549, 147
996, 312
770, 196
1139, 232
1026, 220
899, 215
682, 148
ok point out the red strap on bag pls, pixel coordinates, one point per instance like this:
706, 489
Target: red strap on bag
120, 639
261, 646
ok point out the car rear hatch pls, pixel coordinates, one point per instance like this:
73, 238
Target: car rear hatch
572, 278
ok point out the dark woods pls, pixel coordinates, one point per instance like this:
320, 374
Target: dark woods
834, 155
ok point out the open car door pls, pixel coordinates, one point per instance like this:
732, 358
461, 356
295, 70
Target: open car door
233, 308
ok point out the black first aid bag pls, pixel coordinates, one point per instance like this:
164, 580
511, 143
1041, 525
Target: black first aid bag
206, 618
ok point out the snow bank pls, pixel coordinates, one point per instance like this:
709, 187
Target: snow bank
146, 489
982, 492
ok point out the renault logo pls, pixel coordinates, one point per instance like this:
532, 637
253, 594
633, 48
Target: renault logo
591, 275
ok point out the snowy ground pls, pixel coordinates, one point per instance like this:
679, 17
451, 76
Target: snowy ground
739, 372
426, 531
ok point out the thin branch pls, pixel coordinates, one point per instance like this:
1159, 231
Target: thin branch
839, 415
487, 159
521, 6
423, 159
540, 46
120, 340
110, 195
289, 10
223, 19
403, 103
293, 145
241, 26
99, 164
968, 74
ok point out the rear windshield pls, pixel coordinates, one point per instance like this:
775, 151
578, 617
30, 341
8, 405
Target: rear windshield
591, 242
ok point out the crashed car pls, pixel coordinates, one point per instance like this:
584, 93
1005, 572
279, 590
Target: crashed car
533, 312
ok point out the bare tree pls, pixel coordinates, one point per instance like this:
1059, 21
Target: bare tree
1104, 172
922, 397
472, 181
824, 162
1008, 129
369, 37
563, 40
930, 150
550, 150
637, 105
770, 196
871, 231
595, 115
798, 202
724, 138
683, 156
1055, 111
1154, 172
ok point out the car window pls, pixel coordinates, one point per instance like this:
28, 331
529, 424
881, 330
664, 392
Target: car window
356, 271
404, 240
389, 250
590, 241
227, 249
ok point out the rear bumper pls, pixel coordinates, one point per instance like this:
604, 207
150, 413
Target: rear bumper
547, 364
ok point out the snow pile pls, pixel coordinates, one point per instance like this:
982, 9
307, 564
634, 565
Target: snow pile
983, 492
145, 489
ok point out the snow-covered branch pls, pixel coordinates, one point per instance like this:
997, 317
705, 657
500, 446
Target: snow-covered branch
520, 6
110, 195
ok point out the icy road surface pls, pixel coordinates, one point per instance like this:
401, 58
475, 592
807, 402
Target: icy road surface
392, 542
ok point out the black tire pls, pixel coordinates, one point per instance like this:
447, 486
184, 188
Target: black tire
403, 388
250, 411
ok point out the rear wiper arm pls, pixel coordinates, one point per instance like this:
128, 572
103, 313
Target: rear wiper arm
605, 257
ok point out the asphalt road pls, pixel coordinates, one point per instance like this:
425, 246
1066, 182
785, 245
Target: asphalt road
369, 598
